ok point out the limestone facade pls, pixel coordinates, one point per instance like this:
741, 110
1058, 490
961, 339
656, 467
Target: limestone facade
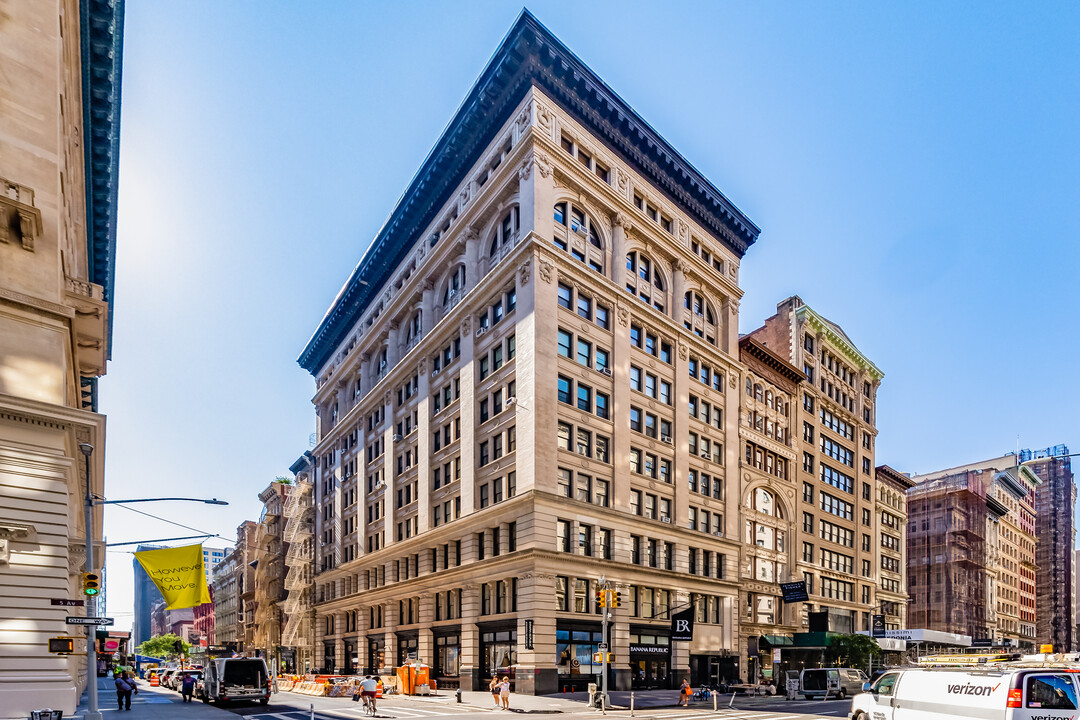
57, 236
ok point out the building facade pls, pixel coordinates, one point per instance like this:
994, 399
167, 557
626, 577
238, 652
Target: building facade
298, 635
226, 599
892, 516
204, 622
270, 573
211, 558
971, 552
59, 133
146, 596
248, 556
835, 504
500, 400
1055, 533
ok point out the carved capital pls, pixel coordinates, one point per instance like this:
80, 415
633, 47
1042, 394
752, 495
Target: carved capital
624, 315
678, 265
466, 325
546, 270
421, 367
523, 272
684, 349
543, 164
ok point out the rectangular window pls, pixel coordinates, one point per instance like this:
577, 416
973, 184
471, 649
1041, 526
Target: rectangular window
565, 343
564, 296
584, 352
584, 307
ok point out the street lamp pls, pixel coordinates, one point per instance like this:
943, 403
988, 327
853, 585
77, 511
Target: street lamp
211, 501
92, 712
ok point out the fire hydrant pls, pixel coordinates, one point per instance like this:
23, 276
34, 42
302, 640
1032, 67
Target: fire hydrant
458, 695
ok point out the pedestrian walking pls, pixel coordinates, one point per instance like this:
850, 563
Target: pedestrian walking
493, 688
187, 687
504, 692
684, 694
125, 686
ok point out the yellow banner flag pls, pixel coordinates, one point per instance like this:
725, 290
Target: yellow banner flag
178, 574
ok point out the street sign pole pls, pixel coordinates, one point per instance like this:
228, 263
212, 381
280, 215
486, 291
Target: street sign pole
92, 712
604, 637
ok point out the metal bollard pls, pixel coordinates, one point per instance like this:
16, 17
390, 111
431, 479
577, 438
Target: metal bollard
713, 693
631, 703
731, 702
311, 708
603, 704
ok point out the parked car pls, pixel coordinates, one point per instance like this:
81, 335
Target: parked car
991, 693
836, 682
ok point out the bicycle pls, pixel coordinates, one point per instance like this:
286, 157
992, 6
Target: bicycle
369, 705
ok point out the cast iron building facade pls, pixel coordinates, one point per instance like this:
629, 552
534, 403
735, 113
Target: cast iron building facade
1055, 532
501, 394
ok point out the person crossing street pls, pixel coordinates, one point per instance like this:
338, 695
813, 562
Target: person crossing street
125, 686
187, 686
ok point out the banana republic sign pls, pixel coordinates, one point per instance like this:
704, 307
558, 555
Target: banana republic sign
682, 626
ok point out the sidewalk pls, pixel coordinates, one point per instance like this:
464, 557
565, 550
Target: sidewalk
149, 704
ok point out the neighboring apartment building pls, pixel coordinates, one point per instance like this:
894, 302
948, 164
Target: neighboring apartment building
298, 635
211, 558
500, 396
270, 572
836, 509
247, 554
971, 552
146, 596
204, 622
226, 599
1055, 532
59, 153
892, 516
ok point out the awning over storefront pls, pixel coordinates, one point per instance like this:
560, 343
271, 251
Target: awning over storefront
777, 640
814, 640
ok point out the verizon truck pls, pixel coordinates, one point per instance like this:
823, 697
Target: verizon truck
993, 693
229, 679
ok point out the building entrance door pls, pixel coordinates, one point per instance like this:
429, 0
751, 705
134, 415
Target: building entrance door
650, 674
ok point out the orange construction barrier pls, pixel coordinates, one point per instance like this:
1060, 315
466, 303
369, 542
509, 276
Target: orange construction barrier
155, 681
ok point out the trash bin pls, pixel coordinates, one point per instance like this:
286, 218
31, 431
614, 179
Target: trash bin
47, 714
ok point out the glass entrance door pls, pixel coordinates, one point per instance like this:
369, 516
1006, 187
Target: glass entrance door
650, 674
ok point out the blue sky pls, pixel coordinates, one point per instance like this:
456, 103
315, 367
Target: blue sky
913, 167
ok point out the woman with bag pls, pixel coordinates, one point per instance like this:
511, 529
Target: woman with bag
684, 694
493, 688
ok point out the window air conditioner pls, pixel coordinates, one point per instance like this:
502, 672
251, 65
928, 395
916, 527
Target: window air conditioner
606, 371
665, 518
511, 401
718, 534
705, 454
481, 331
434, 373
397, 437
666, 438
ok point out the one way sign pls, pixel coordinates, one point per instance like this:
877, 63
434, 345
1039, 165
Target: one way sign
89, 621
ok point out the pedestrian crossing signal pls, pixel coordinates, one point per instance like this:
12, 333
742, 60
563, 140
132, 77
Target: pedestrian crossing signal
91, 583
598, 658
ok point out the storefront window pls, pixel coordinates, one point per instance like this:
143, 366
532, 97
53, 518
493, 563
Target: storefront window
408, 647
376, 654
447, 656
499, 650
574, 651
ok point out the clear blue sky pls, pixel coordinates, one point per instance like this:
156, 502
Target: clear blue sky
914, 167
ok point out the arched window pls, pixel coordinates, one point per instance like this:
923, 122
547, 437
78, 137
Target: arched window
576, 233
381, 363
505, 234
412, 332
765, 502
699, 316
646, 284
454, 286
758, 392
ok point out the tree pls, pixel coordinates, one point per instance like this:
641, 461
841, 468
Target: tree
283, 480
853, 650
164, 646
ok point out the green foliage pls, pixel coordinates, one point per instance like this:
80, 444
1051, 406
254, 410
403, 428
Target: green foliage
852, 650
163, 646
283, 480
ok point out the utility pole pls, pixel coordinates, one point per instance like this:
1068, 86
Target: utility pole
92, 712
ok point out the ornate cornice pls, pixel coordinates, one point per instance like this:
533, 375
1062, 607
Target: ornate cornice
851, 352
530, 56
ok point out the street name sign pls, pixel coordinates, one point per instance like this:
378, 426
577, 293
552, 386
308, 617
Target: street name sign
89, 621
67, 603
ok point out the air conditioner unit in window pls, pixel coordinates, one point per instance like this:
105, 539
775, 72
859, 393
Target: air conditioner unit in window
511, 401
481, 331
665, 518
705, 454
397, 438
718, 534
434, 373
606, 371
666, 438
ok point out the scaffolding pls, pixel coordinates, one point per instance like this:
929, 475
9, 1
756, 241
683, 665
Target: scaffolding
950, 580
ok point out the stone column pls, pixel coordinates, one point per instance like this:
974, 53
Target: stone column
680, 432
339, 641
536, 674
620, 224
620, 408
678, 291
472, 259
425, 644
467, 414
390, 624
528, 325
536, 195
504, 538
470, 638
423, 445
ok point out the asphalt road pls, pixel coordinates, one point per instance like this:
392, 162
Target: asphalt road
287, 706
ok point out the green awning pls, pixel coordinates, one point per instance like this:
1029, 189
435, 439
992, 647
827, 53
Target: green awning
777, 640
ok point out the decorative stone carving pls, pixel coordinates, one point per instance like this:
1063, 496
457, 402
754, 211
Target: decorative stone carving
732, 382
466, 325
14, 532
546, 270
684, 232
678, 265
19, 219
684, 350
620, 220
523, 272
622, 180
421, 367
544, 116
624, 315
525, 171
523, 118
463, 198
386, 398
543, 164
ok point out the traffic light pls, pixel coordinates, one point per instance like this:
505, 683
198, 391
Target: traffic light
178, 647
91, 583
616, 598
601, 598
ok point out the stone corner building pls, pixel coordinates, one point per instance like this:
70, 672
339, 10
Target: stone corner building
60, 65
534, 380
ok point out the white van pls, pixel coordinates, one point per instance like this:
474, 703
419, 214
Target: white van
992, 694
837, 682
